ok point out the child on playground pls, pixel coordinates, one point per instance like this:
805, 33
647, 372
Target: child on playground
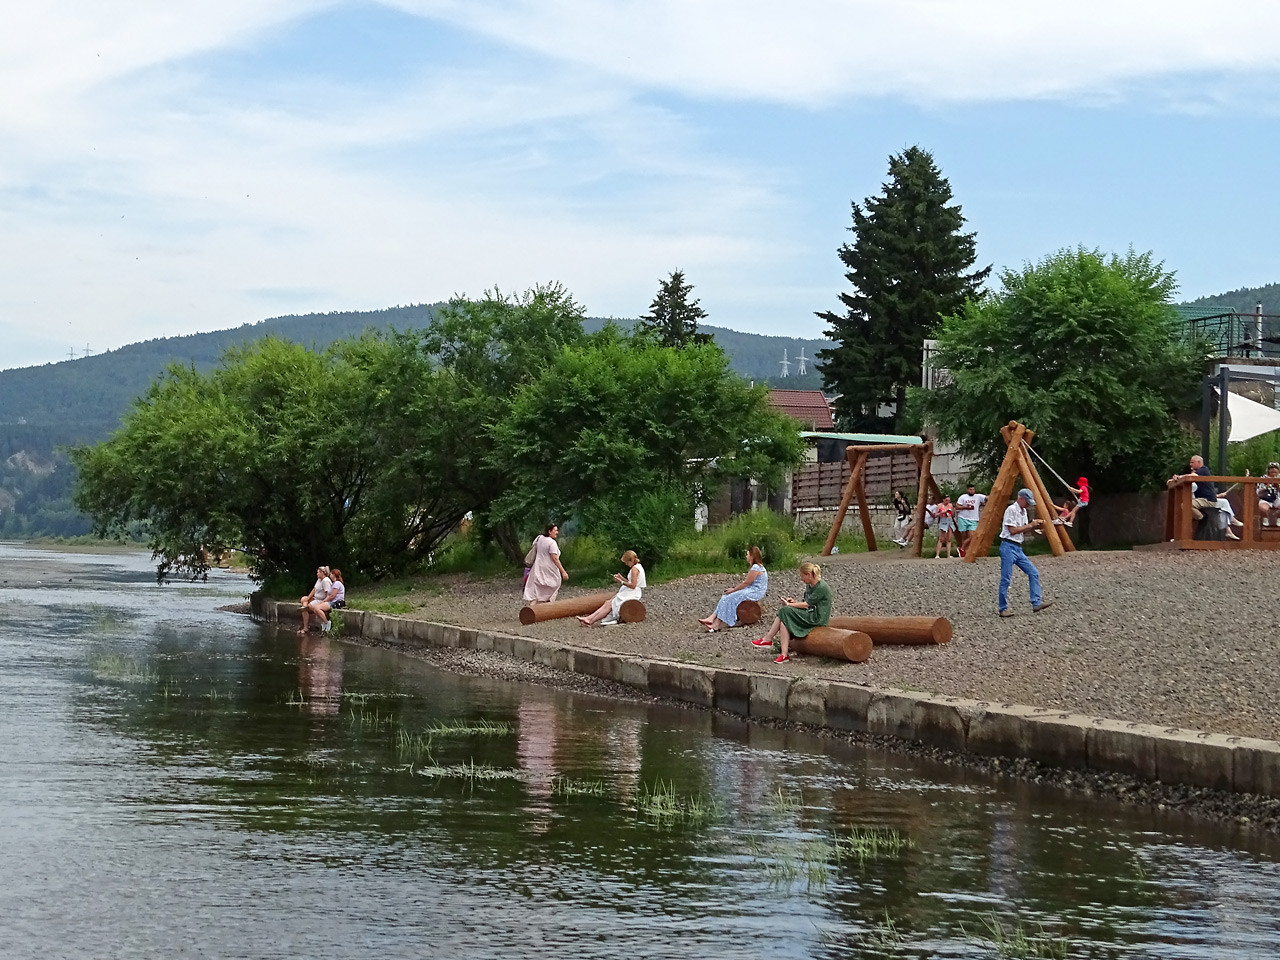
1067, 514
946, 513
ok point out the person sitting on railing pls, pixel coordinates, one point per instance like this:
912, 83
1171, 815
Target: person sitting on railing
1204, 494
1269, 497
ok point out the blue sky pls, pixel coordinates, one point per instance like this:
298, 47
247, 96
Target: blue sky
166, 169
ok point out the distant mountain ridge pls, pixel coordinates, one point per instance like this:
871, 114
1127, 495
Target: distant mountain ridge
1244, 300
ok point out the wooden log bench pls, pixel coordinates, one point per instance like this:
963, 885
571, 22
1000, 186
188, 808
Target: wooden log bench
898, 631
631, 611
834, 644
748, 613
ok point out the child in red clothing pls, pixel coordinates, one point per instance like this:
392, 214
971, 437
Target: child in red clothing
1081, 493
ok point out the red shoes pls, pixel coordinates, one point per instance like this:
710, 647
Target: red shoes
761, 642
782, 658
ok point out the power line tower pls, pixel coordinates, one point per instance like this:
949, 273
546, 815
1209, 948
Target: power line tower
786, 364
801, 360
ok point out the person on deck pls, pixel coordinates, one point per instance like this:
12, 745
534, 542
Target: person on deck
1269, 497
1203, 493
1012, 529
798, 617
630, 587
752, 587
546, 573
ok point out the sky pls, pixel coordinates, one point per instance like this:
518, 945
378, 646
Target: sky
168, 168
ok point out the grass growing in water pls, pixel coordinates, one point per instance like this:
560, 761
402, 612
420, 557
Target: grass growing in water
470, 728
862, 845
122, 669
1016, 943
666, 808
567, 787
883, 935
469, 771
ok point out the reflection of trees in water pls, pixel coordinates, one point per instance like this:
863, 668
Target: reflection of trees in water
320, 674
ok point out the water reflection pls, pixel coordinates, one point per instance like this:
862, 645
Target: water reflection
351, 800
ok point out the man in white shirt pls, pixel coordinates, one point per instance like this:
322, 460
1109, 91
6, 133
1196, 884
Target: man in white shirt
1012, 528
968, 509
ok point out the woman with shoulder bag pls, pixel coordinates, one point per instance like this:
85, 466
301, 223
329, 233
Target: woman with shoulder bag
546, 573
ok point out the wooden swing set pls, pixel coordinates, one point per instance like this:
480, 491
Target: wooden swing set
1017, 466
857, 456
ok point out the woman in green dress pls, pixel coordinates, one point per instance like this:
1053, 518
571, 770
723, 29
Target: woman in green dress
798, 617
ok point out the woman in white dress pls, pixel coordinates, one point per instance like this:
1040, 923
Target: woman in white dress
630, 588
546, 573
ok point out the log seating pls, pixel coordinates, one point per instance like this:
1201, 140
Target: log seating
631, 611
748, 613
835, 644
898, 631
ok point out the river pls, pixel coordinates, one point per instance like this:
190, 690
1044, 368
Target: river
178, 781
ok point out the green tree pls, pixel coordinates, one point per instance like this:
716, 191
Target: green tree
909, 264
673, 318
616, 418
1086, 350
486, 349
298, 457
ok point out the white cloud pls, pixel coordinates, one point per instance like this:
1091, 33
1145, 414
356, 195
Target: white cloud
815, 52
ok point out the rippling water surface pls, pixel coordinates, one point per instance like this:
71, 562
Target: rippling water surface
178, 781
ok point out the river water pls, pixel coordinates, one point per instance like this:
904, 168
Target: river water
176, 781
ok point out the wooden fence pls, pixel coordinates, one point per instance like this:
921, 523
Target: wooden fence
818, 486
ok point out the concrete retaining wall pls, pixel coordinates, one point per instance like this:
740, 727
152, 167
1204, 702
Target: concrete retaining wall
1052, 737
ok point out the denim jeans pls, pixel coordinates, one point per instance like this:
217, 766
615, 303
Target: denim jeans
1011, 556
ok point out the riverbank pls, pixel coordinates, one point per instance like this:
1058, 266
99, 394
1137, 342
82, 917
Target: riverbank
1177, 640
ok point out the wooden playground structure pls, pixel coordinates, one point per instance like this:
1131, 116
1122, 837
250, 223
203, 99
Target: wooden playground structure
1017, 466
857, 456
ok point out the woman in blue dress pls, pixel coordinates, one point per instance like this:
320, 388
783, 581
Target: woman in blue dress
752, 587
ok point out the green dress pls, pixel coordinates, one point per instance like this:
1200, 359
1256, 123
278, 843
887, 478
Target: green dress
800, 621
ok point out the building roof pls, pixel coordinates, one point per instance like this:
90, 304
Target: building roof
862, 437
810, 407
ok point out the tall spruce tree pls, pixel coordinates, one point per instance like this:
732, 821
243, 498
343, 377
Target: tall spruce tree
909, 264
673, 318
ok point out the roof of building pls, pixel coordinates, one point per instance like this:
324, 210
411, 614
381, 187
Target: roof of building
810, 407
862, 437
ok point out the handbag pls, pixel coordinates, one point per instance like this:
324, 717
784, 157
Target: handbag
533, 552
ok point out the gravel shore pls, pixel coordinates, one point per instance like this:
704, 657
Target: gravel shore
1184, 640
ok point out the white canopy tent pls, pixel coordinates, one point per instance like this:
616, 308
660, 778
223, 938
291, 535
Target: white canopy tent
1249, 418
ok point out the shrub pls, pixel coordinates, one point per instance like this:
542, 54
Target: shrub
649, 522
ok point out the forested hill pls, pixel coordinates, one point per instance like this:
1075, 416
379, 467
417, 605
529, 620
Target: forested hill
84, 399
1244, 300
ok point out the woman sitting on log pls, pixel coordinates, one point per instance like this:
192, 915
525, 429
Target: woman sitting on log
752, 587
798, 617
630, 588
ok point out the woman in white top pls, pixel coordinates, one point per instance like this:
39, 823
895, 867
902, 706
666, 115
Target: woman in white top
630, 588
318, 592
335, 599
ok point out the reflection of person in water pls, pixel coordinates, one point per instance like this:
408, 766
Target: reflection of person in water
536, 740
320, 674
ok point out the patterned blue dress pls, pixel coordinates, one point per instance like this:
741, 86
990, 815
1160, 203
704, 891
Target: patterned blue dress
727, 608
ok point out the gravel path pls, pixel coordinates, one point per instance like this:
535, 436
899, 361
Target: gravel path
1186, 640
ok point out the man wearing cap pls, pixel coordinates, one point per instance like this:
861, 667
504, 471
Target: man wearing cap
1012, 528
1269, 497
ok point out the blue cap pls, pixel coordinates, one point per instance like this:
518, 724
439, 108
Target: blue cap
1027, 495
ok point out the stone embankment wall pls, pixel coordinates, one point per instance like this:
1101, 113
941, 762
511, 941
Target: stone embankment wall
1051, 737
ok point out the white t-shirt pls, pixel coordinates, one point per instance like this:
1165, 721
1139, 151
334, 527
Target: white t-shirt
970, 506
321, 589
1014, 516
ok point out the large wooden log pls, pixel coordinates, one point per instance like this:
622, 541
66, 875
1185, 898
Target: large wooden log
631, 611
834, 644
898, 631
748, 613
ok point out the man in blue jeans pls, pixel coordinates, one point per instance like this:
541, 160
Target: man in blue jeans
1012, 528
